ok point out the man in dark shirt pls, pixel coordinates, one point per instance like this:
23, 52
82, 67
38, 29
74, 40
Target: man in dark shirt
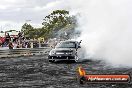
8, 38
10, 45
19, 34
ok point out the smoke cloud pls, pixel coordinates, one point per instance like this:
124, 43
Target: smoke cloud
106, 28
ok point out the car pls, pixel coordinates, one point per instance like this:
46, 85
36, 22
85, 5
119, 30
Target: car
65, 50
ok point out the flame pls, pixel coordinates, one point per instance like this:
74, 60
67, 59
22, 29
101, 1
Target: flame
81, 71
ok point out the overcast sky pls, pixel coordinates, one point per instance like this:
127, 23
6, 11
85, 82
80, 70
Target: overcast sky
14, 13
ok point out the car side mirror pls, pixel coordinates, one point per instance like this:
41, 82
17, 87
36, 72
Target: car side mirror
79, 46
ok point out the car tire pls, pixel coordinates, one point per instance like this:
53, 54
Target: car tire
51, 61
76, 58
82, 80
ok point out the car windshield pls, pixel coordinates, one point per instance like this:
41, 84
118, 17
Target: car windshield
66, 45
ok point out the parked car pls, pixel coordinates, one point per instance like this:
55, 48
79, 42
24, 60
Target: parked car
65, 50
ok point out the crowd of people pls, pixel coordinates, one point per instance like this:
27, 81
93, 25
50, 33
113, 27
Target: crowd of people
19, 41
14, 42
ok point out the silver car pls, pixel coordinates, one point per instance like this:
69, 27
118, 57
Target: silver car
65, 50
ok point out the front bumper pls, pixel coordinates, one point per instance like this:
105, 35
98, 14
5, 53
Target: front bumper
61, 57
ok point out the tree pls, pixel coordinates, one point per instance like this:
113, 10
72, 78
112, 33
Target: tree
52, 23
28, 30
57, 19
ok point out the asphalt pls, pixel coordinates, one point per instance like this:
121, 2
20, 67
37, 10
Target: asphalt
37, 72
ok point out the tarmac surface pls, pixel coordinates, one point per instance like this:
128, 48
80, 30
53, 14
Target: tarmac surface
37, 72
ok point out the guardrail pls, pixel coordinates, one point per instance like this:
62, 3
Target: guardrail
24, 52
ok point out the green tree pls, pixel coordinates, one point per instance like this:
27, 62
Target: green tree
28, 30
55, 21
52, 23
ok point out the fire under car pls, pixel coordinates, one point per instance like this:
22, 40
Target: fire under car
65, 50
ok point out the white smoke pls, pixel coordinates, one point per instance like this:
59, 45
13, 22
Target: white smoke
106, 27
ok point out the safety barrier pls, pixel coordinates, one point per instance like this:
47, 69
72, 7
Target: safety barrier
24, 52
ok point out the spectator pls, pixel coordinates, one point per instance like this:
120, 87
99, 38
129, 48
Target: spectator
15, 45
28, 45
8, 38
18, 46
19, 34
10, 45
0, 43
23, 45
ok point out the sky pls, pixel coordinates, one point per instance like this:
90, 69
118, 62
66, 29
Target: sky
14, 13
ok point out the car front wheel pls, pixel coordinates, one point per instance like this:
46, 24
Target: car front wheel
51, 61
76, 58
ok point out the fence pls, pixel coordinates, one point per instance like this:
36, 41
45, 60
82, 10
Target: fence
24, 52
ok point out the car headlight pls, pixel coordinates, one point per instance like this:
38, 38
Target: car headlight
69, 53
52, 52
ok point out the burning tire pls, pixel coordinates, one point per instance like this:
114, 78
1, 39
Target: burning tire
81, 75
51, 61
82, 80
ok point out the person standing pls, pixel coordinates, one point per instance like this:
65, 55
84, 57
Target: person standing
10, 45
8, 38
19, 34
